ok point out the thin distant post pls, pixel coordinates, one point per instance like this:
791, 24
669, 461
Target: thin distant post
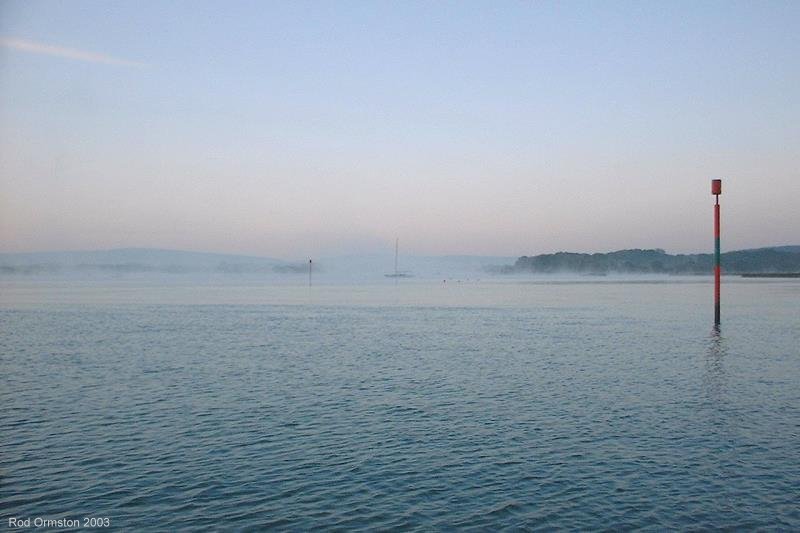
716, 190
309, 272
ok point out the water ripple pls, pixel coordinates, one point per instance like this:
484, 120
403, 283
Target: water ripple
397, 418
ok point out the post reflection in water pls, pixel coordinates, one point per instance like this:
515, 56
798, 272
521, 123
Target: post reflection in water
715, 378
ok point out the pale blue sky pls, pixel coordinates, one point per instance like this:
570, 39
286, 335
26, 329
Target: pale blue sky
300, 129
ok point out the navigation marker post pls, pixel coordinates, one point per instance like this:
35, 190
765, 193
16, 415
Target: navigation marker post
309, 272
716, 190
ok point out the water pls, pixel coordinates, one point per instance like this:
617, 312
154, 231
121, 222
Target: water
544, 404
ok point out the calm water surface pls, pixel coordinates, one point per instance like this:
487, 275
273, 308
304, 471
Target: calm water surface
541, 405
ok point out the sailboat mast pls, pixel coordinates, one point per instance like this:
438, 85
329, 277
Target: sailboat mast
396, 246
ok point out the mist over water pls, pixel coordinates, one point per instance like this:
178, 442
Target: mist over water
556, 403
178, 267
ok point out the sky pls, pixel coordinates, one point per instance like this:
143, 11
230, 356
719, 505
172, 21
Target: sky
299, 129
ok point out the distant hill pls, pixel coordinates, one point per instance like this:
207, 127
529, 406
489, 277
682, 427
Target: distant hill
132, 260
791, 249
657, 261
124, 261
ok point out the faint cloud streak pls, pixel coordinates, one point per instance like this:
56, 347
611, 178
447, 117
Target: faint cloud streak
69, 53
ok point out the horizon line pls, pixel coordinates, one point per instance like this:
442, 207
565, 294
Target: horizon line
252, 256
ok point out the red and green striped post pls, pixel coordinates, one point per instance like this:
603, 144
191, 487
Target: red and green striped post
716, 190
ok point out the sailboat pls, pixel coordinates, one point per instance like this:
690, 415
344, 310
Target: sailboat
398, 273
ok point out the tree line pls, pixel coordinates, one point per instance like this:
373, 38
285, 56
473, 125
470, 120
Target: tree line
657, 261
